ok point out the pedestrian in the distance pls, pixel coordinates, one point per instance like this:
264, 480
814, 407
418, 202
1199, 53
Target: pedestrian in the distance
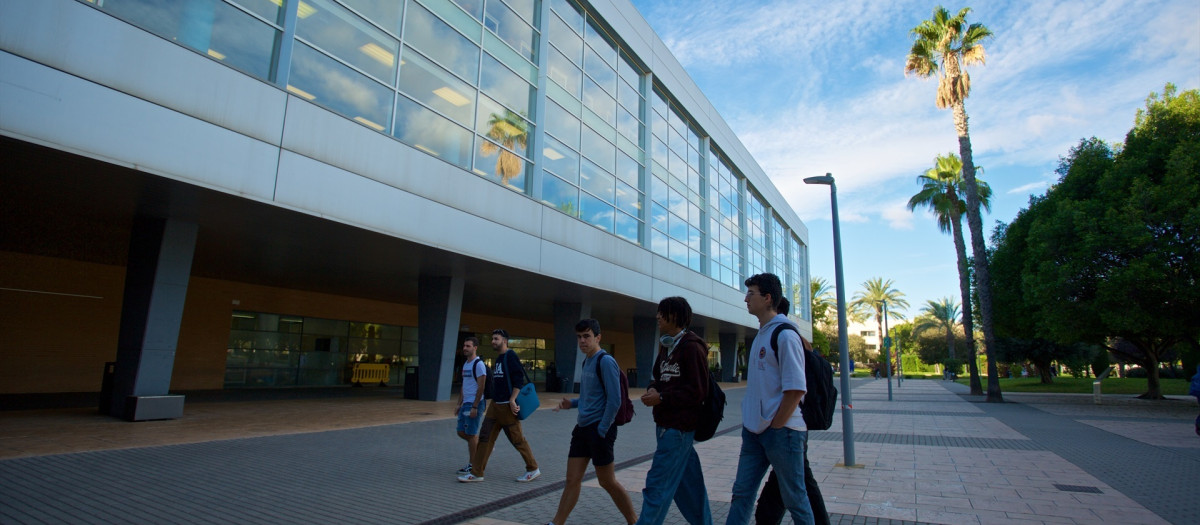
470, 399
507, 379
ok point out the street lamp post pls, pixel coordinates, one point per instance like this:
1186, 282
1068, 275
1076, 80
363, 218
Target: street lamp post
843, 344
887, 350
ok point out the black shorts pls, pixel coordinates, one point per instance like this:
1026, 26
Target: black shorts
586, 442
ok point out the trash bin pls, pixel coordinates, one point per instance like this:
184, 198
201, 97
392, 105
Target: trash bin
412, 382
553, 383
567, 387
106, 388
631, 373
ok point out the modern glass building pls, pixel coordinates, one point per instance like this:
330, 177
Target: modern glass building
273, 193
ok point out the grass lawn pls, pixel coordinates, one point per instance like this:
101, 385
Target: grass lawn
1071, 385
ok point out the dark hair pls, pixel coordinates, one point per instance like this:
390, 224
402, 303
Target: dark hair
473, 340
785, 306
767, 283
501, 332
588, 324
676, 310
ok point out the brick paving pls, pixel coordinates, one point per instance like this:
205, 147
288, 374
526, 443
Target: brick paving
932, 455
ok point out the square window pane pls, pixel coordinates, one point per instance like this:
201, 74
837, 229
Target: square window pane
561, 159
569, 13
425, 81
600, 102
659, 191
563, 38
562, 124
427, 131
628, 170
600, 71
600, 151
500, 164
565, 73
629, 199
507, 87
659, 217
627, 227
560, 195
628, 126
600, 42
336, 30
325, 81
596, 181
511, 28
659, 243
439, 41
503, 125
596, 212
386, 13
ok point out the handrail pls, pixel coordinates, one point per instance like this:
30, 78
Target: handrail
1096, 384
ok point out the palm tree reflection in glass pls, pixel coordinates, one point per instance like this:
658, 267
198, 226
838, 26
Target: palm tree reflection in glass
512, 132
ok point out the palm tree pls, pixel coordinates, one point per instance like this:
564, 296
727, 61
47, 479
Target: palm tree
870, 300
822, 299
511, 131
943, 46
938, 315
943, 192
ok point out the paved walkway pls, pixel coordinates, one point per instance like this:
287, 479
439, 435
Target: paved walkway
932, 455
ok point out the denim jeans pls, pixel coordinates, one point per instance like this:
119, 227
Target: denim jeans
783, 450
675, 475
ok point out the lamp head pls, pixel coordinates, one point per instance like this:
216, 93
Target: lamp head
826, 179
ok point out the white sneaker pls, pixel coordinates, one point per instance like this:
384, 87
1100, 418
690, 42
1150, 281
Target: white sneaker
530, 476
469, 478
464, 470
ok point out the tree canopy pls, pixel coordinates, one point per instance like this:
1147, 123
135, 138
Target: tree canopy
1111, 253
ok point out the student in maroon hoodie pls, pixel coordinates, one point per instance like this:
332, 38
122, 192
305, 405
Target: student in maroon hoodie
679, 387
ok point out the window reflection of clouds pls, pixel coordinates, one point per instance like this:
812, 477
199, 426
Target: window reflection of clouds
440, 42
596, 181
627, 227
211, 27
564, 39
569, 13
599, 150
346, 36
560, 194
596, 212
600, 102
425, 130
474, 7
511, 28
562, 124
600, 71
564, 73
338, 88
506, 87
385, 13
561, 160
435, 87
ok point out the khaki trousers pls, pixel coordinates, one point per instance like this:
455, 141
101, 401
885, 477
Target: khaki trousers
500, 417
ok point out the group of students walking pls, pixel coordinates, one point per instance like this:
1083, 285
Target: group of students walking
773, 431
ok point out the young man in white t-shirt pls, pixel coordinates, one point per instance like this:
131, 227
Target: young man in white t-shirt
773, 430
470, 399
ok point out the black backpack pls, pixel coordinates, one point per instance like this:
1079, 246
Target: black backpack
625, 411
820, 401
713, 410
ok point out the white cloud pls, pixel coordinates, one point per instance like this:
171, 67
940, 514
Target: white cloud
1028, 188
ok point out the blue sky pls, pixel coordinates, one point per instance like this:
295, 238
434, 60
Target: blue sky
812, 87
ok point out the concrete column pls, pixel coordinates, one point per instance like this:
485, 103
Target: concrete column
728, 343
156, 281
566, 348
645, 347
439, 312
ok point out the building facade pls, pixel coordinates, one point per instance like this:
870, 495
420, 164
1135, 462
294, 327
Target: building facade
266, 193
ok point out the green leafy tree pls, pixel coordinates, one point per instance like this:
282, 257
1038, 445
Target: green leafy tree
944, 46
869, 302
943, 192
1109, 255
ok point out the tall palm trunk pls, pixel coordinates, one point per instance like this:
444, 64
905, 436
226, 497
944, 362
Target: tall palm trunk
964, 287
982, 278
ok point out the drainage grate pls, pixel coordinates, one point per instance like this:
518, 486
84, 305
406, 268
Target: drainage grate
1078, 488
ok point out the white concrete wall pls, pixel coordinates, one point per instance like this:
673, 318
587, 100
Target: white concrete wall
78, 80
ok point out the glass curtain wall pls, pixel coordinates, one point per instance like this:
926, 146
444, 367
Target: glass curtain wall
457, 79
593, 162
675, 185
724, 215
